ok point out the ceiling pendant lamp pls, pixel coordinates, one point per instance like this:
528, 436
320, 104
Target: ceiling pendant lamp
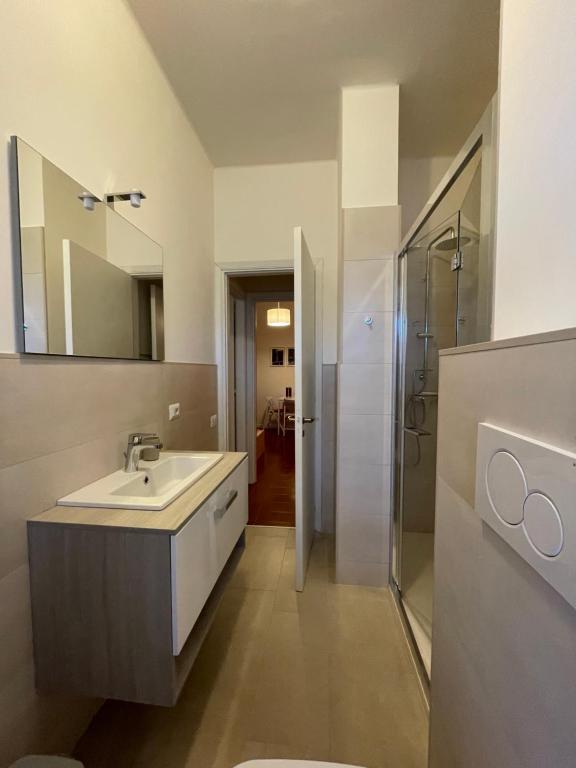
278, 317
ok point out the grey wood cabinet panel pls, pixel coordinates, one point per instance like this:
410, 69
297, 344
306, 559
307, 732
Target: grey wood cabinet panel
103, 603
101, 613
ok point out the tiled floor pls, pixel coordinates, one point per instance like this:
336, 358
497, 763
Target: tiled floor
322, 675
272, 499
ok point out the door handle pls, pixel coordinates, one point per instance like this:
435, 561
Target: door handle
221, 511
305, 420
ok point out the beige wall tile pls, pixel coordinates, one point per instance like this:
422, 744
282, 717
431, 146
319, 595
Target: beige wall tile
363, 538
363, 489
518, 637
364, 439
191, 432
48, 405
367, 344
33, 724
370, 233
365, 574
15, 626
365, 388
64, 424
536, 404
368, 286
193, 386
30, 487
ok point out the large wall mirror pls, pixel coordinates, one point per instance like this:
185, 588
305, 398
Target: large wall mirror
92, 282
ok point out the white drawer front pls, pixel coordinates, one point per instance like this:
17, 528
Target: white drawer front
194, 572
230, 512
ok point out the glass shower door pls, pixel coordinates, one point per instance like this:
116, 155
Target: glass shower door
429, 309
444, 301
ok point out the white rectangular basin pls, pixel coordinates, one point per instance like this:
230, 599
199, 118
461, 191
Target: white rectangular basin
153, 486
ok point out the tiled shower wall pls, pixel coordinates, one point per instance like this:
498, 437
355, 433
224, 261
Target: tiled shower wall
64, 424
370, 239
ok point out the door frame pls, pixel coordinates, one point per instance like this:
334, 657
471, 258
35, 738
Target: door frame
222, 320
224, 271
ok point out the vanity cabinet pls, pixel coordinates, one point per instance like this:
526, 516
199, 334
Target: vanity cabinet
121, 611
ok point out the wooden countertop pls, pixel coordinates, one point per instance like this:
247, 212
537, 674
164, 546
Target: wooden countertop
167, 520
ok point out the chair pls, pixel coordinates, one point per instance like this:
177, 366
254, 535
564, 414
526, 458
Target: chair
287, 410
272, 413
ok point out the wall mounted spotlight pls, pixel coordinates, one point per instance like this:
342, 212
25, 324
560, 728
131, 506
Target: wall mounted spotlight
135, 197
89, 200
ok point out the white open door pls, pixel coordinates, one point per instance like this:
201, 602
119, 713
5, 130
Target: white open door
305, 394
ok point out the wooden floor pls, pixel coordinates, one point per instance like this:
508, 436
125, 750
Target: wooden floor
271, 498
324, 674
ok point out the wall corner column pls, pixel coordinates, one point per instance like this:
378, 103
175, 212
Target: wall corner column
371, 223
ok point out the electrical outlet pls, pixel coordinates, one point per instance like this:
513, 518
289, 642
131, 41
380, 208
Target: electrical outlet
173, 411
213, 421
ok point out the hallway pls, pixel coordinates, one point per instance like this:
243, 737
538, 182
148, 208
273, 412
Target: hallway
271, 500
324, 675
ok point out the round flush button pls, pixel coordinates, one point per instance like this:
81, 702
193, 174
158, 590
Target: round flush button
506, 486
543, 524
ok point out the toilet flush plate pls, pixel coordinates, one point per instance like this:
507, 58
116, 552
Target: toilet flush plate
526, 492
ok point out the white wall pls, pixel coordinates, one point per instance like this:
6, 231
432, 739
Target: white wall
81, 85
256, 209
369, 151
536, 226
418, 177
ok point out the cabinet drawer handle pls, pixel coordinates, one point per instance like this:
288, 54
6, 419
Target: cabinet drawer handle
221, 511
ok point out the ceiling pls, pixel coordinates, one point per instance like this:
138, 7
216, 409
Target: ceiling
260, 79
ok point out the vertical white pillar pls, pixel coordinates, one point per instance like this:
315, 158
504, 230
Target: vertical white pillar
369, 146
370, 237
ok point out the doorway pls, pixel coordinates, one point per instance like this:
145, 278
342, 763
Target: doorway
272, 495
240, 289
261, 391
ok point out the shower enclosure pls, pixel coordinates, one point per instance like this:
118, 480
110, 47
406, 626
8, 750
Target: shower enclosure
443, 301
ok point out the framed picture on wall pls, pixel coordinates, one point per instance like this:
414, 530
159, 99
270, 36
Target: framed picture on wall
277, 357
290, 355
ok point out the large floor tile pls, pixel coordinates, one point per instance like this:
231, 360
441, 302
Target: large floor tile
323, 674
378, 719
291, 703
261, 564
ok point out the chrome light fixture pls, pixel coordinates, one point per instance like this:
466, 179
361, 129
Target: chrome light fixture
278, 317
135, 197
88, 200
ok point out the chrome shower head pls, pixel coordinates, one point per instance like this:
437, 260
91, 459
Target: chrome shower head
451, 244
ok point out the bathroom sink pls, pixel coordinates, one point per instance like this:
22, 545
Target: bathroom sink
153, 486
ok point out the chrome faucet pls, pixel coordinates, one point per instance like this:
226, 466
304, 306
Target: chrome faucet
137, 443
